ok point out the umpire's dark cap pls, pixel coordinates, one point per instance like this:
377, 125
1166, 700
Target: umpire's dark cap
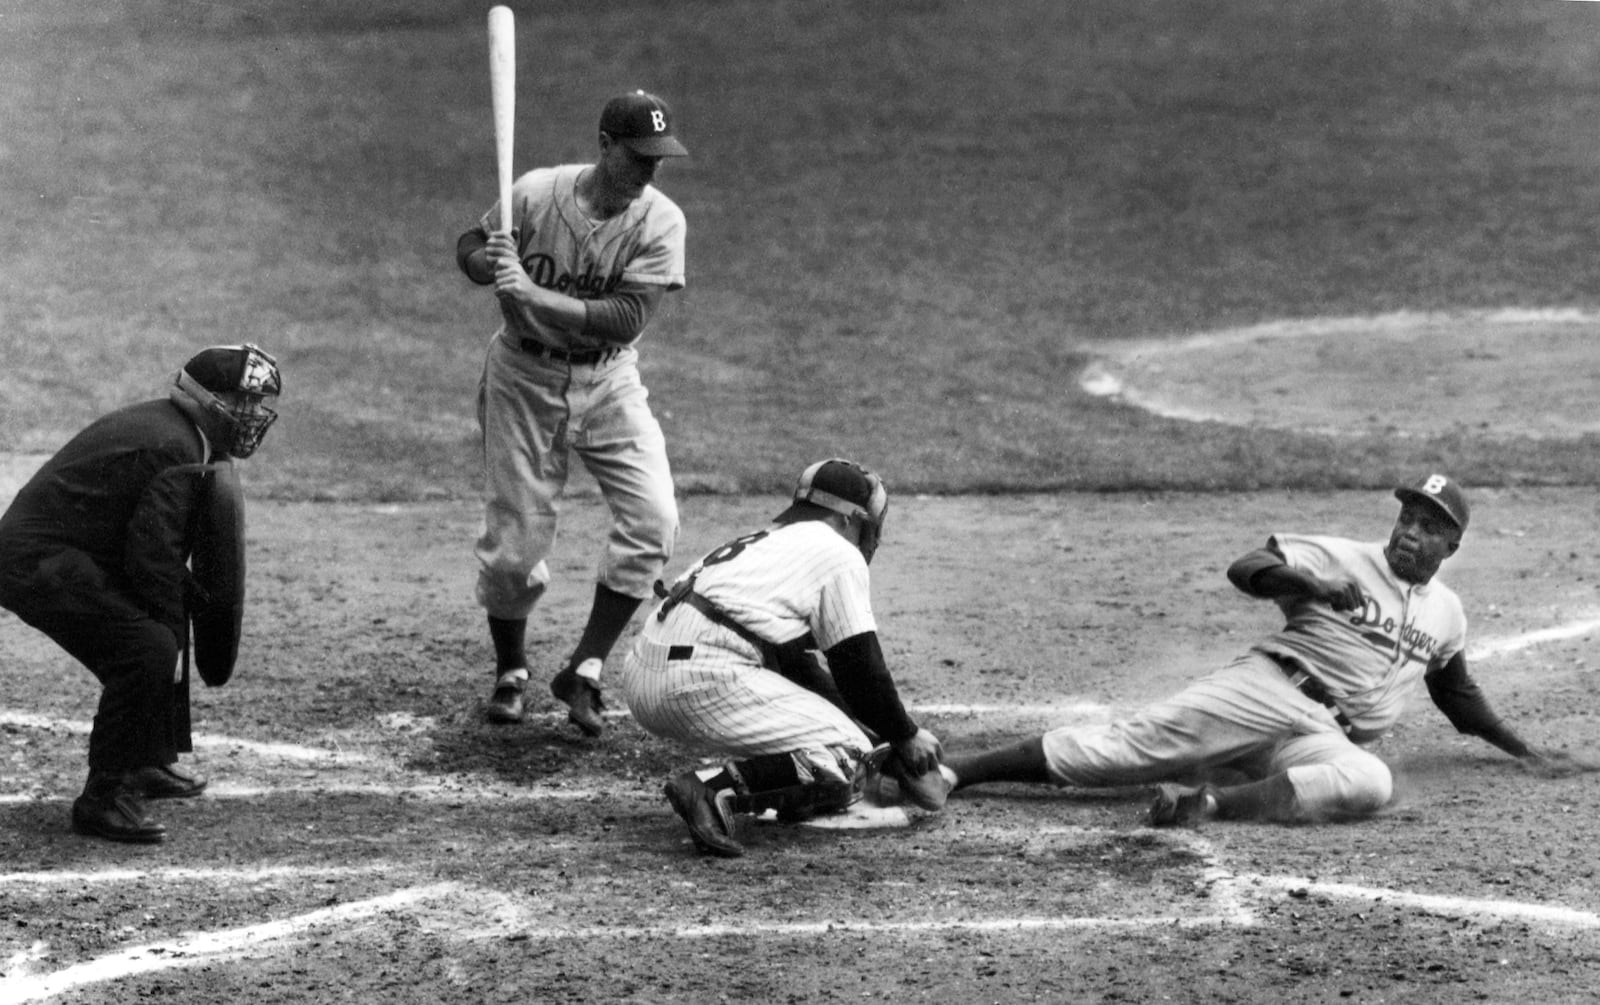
1442, 493
642, 123
222, 369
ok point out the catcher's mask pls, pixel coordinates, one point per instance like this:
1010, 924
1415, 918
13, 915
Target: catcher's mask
232, 384
848, 488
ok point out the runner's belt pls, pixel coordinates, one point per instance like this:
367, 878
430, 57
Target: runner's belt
580, 357
1306, 684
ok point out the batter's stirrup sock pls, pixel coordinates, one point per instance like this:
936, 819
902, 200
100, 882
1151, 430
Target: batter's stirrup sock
509, 636
608, 618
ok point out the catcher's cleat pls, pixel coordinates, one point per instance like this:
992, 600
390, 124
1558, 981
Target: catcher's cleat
886, 782
116, 815
505, 705
709, 814
1181, 806
164, 782
581, 694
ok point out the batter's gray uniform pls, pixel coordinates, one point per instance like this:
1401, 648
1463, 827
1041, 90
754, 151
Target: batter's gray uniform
547, 393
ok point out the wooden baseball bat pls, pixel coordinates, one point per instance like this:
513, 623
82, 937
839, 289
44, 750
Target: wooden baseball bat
503, 97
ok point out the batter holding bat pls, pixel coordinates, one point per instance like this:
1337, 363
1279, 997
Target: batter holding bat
591, 251
1365, 623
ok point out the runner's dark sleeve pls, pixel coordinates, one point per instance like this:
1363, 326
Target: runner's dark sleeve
1461, 700
857, 667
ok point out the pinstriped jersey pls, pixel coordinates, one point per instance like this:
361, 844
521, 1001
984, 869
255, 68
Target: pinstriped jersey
563, 249
1369, 659
786, 581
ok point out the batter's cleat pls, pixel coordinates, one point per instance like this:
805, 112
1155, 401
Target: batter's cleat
166, 781
1181, 806
505, 705
581, 693
116, 816
709, 814
886, 782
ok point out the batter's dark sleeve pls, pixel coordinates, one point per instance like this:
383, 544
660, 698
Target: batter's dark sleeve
620, 316
472, 241
1458, 696
858, 668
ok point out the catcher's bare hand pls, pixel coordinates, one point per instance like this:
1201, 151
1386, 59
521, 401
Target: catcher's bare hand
1557, 764
921, 753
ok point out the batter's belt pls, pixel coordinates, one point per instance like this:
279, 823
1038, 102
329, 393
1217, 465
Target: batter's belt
1308, 685
577, 357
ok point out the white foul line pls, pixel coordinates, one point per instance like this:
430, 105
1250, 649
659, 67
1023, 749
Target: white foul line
1499, 647
1461, 907
279, 751
200, 948
184, 875
207, 947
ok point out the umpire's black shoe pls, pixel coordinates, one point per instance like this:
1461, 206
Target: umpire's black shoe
116, 816
708, 813
582, 698
165, 781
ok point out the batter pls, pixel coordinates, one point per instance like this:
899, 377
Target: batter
726, 664
1364, 623
593, 249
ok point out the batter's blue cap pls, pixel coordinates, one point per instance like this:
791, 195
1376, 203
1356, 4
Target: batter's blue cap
642, 123
1442, 493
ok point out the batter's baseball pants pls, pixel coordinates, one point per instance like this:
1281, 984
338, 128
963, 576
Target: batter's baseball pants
535, 414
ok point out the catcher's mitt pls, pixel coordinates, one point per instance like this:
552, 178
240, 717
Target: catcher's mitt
885, 781
217, 564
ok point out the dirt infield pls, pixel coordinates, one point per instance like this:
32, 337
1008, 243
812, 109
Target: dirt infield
368, 838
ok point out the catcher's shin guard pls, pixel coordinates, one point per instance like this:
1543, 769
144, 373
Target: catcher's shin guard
780, 782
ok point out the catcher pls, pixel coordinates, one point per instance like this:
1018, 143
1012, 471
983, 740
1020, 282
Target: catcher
726, 664
1365, 622
95, 552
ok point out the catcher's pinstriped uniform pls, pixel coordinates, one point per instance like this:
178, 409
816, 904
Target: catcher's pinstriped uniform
695, 681
1364, 622
728, 664
595, 247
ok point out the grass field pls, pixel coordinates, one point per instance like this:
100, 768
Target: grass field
913, 224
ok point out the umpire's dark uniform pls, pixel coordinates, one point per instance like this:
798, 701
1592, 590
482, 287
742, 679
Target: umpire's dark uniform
94, 553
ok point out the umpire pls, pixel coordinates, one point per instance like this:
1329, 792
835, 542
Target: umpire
94, 552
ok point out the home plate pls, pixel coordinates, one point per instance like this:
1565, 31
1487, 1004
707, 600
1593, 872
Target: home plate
861, 816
